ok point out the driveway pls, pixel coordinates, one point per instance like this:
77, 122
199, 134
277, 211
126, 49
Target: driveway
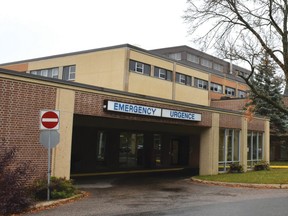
167, 194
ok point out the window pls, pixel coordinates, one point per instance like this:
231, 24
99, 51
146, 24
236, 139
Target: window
229, 148
100, 146
51, 72
216, 88
206, 63
218, 67
230, 91
69, 72
241, 94
241, 73
193, 58
183, 79
199, 83
175, 56
162, 73
139, 67
254, 148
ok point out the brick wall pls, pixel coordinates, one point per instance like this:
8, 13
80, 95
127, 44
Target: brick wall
20, 104
233, 104
92, 104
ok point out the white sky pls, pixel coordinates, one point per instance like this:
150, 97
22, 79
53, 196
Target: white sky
37, 28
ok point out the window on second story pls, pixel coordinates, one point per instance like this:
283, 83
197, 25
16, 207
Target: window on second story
162, 73
69, 72
175, 56
230, 91
216, 88
206, 63
241, 94
139, 67
183, 79
218, 67
199, 83
51, 72
193, 58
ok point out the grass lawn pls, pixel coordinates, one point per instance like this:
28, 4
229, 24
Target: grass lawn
274, 176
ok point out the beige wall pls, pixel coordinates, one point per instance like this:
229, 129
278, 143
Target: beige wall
151, 60
103, 68
151, 86
191, 94
192, 72
61, 154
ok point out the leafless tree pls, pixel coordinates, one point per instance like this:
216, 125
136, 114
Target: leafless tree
243, 30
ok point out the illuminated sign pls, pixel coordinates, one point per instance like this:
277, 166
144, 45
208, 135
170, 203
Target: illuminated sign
181, 115
151, 111
133, 109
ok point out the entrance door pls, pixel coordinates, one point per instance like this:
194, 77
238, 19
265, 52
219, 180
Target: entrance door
131, 150
174, 152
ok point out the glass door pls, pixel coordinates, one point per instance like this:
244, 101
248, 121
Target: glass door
131, 150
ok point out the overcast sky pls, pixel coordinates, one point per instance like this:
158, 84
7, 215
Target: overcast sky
37, 28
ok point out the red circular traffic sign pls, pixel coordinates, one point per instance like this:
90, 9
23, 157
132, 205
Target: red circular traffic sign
50, 120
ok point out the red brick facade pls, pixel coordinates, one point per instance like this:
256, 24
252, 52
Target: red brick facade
19, 119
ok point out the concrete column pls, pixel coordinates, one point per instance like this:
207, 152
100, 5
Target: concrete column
61, 155
267, 142
209, 148
243, 143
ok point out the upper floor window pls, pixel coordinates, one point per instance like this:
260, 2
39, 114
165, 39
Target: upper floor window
193, 58
216, 88
139, 67
230, 91
51, 72
241, 94
206, 63
69, 72
199, 83
162, 73
183, 79
175, 56
241, 73
218, 67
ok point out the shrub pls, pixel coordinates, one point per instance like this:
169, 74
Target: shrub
262, 165
236, 168
60, 188
14, 192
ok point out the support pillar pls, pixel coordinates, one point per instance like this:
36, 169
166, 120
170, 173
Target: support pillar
243, 143
209, 148
61, 154
267, 141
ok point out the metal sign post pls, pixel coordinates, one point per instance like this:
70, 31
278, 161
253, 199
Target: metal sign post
49, 166
49, 137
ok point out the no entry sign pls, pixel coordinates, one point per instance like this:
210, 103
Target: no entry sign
49, 120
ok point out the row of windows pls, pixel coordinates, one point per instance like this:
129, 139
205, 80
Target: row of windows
68, 72
229, 148
184, 79
204, 62
198, 60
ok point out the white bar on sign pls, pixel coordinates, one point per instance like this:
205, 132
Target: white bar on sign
50, 120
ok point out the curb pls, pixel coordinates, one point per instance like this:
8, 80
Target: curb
244, 185
54, 203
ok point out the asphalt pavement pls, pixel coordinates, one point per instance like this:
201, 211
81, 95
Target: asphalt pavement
168, 194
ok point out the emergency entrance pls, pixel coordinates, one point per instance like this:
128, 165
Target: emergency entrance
96, 147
